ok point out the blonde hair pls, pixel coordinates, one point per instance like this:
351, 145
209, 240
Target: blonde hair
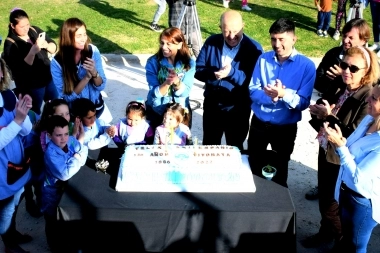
372, 74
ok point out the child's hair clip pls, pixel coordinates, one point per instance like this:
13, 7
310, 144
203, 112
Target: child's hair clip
185, 110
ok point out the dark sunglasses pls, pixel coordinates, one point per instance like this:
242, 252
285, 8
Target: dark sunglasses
352, 68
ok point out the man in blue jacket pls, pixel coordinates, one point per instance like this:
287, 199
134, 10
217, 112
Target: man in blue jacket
225, 63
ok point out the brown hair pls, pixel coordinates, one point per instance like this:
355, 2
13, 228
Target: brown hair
361, 25
175, 35
66, 54
372, 74
5, 81
181, 114
135, 107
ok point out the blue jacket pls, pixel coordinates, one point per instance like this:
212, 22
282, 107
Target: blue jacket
90, 91
360, 161
233, 89
60, 167
11, 147
156, 72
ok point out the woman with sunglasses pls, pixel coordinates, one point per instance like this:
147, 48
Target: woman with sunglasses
358, 185
170, 76
345, 105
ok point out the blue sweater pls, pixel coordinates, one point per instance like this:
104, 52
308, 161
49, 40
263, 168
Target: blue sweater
156, 73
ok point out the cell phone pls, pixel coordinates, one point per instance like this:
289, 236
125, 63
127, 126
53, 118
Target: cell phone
42, 35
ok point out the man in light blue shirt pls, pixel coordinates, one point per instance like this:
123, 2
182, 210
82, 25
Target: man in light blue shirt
280, 89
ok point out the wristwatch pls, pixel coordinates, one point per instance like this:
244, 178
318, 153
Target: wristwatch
96, 76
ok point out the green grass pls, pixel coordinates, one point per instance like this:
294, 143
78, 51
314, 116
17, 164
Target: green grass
122, 26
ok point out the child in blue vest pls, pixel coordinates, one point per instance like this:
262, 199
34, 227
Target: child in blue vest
64, 156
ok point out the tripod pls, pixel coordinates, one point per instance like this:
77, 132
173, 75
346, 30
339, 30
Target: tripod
356, 10
190, 14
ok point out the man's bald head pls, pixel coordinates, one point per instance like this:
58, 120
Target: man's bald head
231, 25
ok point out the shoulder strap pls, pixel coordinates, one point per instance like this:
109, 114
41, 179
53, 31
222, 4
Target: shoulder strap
12, 41
33, 29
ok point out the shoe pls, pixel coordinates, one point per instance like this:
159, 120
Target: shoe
325, 34
336, 35
320, 33
15, 249
246, 8
225, 4
314, 241
33, 209
374, 47
156, 28
312, 194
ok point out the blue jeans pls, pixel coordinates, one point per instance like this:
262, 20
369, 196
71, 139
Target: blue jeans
357, 221
160, 10
323, 21
375, 12
43, 94
7, 208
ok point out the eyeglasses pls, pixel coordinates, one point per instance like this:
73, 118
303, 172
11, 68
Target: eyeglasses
352, 68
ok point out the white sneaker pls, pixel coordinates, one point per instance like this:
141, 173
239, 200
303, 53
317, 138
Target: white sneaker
225, 4
374, 47
336, 35
246, 8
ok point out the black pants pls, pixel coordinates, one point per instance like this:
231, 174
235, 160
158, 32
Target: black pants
328, 206
280, 137
234, 123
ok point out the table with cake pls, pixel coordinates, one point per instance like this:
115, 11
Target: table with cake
177, 199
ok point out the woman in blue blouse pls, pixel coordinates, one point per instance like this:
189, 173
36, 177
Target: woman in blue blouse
77, 67
358, 185
170, 75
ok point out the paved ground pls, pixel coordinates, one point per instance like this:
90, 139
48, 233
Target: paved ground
126, 82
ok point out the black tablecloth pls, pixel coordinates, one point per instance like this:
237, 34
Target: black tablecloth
96, 218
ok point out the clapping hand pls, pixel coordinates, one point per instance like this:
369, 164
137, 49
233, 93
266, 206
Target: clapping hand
321, 110
77, 122
111, 131
23, 106
334, 136
172, 77
275, 91
81, 133
223, 72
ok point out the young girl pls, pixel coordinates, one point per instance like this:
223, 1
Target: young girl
54, 107
174, 129
133, 129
